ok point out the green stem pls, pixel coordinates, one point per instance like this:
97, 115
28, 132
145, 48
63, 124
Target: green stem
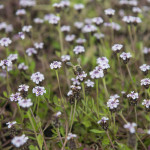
105, 87
110, 139
31, 121
74, 111
97, 96
135, 114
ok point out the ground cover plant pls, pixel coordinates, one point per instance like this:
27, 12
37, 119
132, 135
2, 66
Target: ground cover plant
74, 75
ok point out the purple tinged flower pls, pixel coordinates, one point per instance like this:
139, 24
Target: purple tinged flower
103, 120
10, 124
38, 90
5, 41
19, 141
26, 28
55, 65
37, 77
130, 127
25, 103
79, 49
15, 97
89, 83
65, 58
31, 51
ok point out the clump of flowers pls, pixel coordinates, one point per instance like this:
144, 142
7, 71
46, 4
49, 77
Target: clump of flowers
133, 97
55, 65
37, 77
104, 123
38, 90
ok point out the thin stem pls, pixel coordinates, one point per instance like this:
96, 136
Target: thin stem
135, 114
131, 77
83, 89
131, 39
73, 114
8, 87
30, 118
110, 139
97, 95
105, 87
59, 135
22, 117
141, 141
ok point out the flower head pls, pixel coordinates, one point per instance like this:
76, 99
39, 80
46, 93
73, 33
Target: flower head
117, 47
31, 51
89, 83
109, 12
25, 103
37, 77
97, 20
23, 87
55, 65
38, 45
103, 120
79, 49
95, 74
26, 28
38, 90
65, 58
20, 12
130, 127
71, 136
10, 124
113, 103
22, 66
18, 141
5, 41
15, 97
5, 63
12, 57
21, 35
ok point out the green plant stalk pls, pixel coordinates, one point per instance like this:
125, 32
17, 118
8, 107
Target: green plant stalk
110, 139
97, 96
131, 39
74, 111
105, 87
59, 135
83, 90
60, 37
135, 114
130, 77
37, 105
112, 32
121, 115
34, 107
21, 115
29, 116
8, 87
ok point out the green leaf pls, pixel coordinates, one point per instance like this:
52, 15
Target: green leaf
5, 93
40, 140
32, 147
96, 131
123, 146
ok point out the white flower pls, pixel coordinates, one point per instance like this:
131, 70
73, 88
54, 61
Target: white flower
78, 6
115, 26
9, 28
146, 50
79, 49
89, 83
18, 141
75, 81
12, 57
23, 87
78, 25
132, 19
21, 35
145, 67
103, 120
22, 66
102, 60
130, 127
20, 12
65, 3
70, 38
136, 10
39, 45
58, 114
145, 81
5, 63
38, 90
117, 47
27, 28
148, 132
58, 5
80, 41
146, 103
112, 103
55, 65
3, 25
5, 41
31, 51
103, 66
133, 95
81, 76
65, 28
54, 19
89, 28
97, 20
15, 97
125, 56
75, 87
70, 93
37, 77
1, 6
38, 20
25, 103
27, 3
10, 124
97, 74
71, 136
109, 12
65, 58
99, 35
